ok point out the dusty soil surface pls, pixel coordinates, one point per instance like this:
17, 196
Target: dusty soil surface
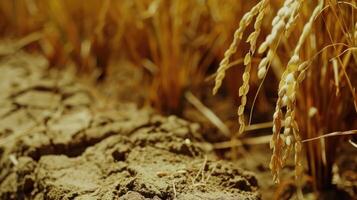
58, 141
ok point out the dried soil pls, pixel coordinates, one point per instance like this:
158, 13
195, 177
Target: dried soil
58, 141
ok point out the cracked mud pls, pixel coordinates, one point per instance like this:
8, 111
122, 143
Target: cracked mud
56, 142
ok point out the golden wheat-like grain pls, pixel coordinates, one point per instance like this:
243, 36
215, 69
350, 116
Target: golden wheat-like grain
293, 17
276, 142
224, 64
307, 27
283, 22
252, 39
288, 85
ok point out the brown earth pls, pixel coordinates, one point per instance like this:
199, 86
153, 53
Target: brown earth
58, 141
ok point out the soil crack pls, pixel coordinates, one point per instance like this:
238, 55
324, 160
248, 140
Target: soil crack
65, 145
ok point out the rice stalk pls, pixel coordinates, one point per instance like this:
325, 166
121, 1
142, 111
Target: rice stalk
303, 108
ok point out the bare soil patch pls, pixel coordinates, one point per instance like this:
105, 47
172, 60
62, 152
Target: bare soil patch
58, 141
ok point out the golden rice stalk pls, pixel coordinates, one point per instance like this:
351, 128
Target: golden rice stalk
252, 39
238, 34
282, 22
288, 86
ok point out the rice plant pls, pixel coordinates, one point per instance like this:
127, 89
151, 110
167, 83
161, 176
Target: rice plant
316, 93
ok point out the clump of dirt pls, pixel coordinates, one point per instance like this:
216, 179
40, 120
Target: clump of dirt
56, 142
